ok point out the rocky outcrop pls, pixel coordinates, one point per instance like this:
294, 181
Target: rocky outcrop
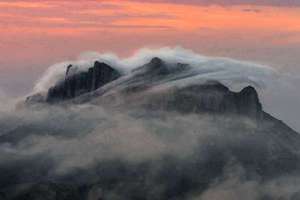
248, 103
83, 82
157, 67
35, 98
210, 97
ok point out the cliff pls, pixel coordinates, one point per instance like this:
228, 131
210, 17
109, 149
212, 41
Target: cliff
83, 82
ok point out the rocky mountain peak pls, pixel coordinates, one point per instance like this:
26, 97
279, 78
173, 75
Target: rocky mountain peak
155, 67
248, 102
68, 69
249, 92
209, 97
156, 61
159, 68
82, 82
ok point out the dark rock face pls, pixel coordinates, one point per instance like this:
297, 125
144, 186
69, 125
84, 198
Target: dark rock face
36, 98
210, 97
248, 103
83, 82
157, 67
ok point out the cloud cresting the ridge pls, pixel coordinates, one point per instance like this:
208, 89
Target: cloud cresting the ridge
224, 69
89, 142
274, 87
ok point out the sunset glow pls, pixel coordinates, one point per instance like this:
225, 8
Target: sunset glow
60, 18
40, 33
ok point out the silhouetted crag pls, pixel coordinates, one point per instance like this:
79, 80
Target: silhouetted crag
210, 97
83, 82
207, 97
248, 103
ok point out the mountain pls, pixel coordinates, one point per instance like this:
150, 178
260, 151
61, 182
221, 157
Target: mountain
153, 133
210, 96
83, 82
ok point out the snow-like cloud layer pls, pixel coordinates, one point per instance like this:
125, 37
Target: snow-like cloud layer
222, 69
275, 88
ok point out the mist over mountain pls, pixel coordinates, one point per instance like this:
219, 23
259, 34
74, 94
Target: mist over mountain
150, 127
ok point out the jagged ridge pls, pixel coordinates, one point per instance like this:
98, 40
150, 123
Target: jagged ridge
211, 96
83, 82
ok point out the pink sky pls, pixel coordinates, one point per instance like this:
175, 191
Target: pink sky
36, 34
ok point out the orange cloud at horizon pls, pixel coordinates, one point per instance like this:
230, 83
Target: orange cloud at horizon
52, 30
113, 14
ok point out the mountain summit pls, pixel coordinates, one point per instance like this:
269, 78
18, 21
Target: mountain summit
156, 132
76, 84
209, 96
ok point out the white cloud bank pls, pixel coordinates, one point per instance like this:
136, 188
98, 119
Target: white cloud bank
223, 69
278, 91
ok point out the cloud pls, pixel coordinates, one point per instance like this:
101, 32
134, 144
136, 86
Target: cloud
69, 135
275, 88
229, 71
289, 3
32, 3
190, 157
65, 14
6, 101
251, 10
24, 4
121, 152
234, 185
